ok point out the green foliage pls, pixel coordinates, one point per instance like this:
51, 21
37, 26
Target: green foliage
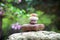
14, 15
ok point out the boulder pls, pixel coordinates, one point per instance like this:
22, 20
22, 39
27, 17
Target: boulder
38, 35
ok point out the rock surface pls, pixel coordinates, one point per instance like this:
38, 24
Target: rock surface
39, 35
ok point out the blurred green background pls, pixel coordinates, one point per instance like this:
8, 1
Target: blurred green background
19, 11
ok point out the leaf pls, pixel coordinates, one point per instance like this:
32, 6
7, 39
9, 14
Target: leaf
39, 13
9, 0
45, 20
5, 23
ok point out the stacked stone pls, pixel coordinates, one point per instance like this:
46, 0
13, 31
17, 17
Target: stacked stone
39, 35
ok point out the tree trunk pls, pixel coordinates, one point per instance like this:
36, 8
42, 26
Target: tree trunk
0, 27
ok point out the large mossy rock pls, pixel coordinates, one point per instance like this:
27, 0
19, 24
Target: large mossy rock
39, 35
